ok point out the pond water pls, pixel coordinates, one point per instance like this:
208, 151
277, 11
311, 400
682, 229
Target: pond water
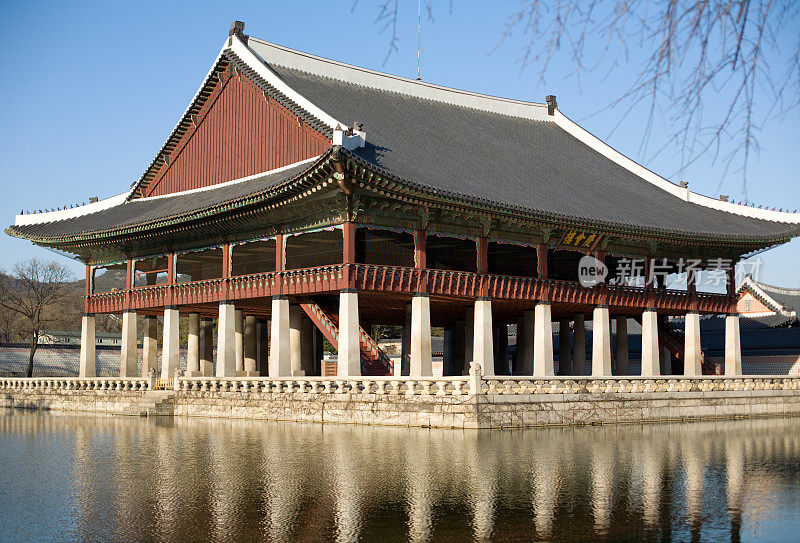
93, 478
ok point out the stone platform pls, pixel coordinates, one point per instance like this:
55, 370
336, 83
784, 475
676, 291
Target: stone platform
449, 402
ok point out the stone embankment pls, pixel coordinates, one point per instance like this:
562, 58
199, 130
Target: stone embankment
448, 402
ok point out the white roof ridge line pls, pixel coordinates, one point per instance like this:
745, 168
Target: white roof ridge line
231, 182
592, 141
396, 83
749, 281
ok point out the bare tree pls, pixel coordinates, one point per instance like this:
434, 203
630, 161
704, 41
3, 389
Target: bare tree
742, 56
34, 294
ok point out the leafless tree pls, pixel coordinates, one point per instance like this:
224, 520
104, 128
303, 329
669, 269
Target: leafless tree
742, 56
34, 293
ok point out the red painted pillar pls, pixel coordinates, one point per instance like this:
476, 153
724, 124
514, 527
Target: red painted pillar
421, 259
226, 270
483, 255
126, 304
87, 289
732, 279
349, 254
649, 276
541, 261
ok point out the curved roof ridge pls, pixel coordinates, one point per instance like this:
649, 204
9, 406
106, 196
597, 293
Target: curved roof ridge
272, 53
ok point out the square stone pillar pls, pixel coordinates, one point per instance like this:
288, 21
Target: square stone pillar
651, 366
500, 340
733, 347
405, 345
601, 342
525, 339
579, 346
87, 361
459, 342
543, 341
693, 356
250, 346
421, 358
666, 361
262, 348
193, 346
226, 340
482, 341
150, 345
307, 347
239, 341
623, 361
296, 340
207, 347
469, 339
280, 357
349, 359
171, 345
129, 351
564, 348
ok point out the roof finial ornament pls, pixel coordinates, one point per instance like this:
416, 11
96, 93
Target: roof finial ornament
551, 104
237, 29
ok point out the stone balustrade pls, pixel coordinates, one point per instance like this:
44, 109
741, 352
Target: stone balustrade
405, 386
73, 383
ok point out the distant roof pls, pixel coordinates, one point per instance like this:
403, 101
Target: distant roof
783, 301
507, 153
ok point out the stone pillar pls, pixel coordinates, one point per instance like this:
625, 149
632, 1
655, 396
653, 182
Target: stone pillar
623, 362
171, 344
733, 346
525, 349
500, 340
579, 346
459, 341
150, 345
651, 366
469, 339
193, 346
349, 359
692, 360
87, 362
601, 342
483, 347
666, 361
307, 347
239, 341
207, 347
319, 351
447, 354
296, 339
262, 348
564, 350
129, 351
543, 341
250, 346
405, 346
226, 340
421, 361
280, 357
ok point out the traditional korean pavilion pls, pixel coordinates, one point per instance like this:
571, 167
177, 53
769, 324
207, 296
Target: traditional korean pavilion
299, 198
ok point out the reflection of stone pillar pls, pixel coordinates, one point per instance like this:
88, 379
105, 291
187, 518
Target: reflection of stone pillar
623, 363
421, 362
602, 465
651, 366
545, 493
347, 475
579, 346
564, 366
420, 506
349, 359
296, 339
692, 361
87, 361
469, 339
239, 340
651, 483
734, 464
250, 345
483, 346
483, 468
207, 347
226, 340
405, 347
171, 346
525, 339
280, 361
733, 346
695, 475
601, 342
193, 346
543, 341
129, 351
150, 345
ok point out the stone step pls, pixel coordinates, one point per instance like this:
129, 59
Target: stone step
152, 403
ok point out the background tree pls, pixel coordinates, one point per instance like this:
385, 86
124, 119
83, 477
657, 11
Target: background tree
35, 293
713, 71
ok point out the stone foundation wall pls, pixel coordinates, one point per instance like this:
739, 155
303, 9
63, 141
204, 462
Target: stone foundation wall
484, 411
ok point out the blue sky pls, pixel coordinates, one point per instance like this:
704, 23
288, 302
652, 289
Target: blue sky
91, 91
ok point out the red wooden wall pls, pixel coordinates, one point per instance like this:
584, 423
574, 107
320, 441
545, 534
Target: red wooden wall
238, 133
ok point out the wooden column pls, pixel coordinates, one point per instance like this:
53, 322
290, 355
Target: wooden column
349, 245
483, 254
649, 277
87, 288
128, 283
170, 284
421, 258
226, 269
732, 279
541, 261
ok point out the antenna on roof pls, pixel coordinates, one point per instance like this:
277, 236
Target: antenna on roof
419, 37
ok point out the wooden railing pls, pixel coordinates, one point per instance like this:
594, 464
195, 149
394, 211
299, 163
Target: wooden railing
407, 280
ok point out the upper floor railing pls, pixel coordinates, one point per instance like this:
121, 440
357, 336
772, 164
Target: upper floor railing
367, 277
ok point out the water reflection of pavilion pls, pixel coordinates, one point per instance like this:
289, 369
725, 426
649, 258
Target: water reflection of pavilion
231, 480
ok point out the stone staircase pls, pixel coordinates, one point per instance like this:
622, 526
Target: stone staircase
153, 403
